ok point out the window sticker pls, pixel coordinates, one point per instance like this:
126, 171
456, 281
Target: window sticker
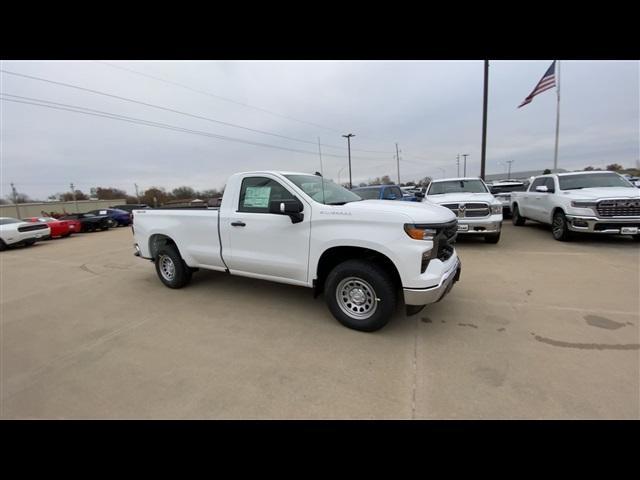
257, 197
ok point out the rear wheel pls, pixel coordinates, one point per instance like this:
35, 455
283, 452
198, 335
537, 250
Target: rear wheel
360, 295
28, 243
516, 218
493, 238
112, 223
171, 269
559, 227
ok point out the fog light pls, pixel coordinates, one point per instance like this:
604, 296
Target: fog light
580, 223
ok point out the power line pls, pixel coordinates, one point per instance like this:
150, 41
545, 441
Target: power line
103, 114
219, 97
167, 109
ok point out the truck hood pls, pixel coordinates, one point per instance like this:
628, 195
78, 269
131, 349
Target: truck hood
419, 212
602, 192
461, 198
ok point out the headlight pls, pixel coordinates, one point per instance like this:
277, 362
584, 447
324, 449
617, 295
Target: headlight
583, 204
419, 233
496, 209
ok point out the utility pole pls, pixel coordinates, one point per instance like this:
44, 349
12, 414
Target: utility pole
465, 155
509, 174
483, 156
15, 199
73, 192
137, 194
398, 162
348, 137
458, 163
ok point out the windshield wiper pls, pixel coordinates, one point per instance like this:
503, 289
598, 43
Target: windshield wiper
573, 188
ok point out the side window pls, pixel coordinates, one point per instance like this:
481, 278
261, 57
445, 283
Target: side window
257, 192
549, 183
538, 182
388, 194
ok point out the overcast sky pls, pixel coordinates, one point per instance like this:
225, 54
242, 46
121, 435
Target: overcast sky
433, 109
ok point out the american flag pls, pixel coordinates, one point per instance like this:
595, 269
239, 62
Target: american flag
548, 81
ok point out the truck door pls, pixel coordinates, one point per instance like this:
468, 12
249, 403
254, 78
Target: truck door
546, 200
263, 243
532, 207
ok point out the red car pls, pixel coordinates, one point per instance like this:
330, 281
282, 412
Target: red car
59, 228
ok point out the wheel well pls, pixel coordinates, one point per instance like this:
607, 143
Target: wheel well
158, 240
336, 255
553, 212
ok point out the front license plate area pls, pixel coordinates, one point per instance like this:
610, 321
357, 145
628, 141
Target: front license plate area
629, 230
463, 228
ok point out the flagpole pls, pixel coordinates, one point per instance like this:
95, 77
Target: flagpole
555, 156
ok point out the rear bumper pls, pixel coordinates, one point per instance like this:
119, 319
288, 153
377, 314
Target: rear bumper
424, 296
611, 226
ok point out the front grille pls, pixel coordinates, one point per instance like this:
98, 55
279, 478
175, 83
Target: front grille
619, 208
599, 227
443, 242
469, 210
29, 228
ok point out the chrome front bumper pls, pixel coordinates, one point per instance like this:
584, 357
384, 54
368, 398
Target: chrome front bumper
424, 296
578, 223
480, 226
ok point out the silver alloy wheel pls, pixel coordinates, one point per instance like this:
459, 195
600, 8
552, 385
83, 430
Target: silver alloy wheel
167, 268
112, 223
356, 298
558, 226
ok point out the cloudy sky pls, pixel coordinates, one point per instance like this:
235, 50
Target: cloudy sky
433, 109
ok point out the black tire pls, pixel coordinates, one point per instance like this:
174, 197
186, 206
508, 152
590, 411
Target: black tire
516, 219
370, 285
3, 246
559, 227
181, 273
111, 223
493, 238
636, 238
28, 243
67, 235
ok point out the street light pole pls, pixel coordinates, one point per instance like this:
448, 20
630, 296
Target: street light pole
348, 137
509, 174
398, 160
458, 163
465, 155
15, 199
73, 192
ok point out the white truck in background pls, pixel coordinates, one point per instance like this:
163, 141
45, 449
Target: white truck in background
296, 228
595, 202
478, 211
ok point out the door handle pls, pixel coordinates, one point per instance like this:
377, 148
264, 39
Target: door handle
238, 224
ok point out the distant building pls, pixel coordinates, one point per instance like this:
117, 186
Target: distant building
521, 175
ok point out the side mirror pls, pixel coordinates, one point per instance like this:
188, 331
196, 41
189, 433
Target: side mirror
419, 195
292, 208
542, 189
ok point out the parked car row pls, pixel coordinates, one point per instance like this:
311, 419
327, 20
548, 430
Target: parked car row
595, 202
25, 232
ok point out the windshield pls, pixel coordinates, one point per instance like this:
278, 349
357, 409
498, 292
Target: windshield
368, 193
6, 221
592, 180
332, 195
507, 188
457, 186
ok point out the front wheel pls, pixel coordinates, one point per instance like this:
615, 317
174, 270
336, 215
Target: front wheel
516, 219
493, 238
559, 227
360, 295
112, 223
171, 269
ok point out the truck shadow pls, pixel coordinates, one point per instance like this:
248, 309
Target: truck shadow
278, 297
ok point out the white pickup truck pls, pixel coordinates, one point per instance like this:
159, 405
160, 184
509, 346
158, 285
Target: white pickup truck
596, 202
478, 211
302, 230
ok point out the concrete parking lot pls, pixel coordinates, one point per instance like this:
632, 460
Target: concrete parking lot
535, 329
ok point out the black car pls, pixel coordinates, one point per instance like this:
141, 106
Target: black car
89, 222
129, 207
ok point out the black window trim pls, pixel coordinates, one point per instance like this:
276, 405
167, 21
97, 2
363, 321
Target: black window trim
239, 206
